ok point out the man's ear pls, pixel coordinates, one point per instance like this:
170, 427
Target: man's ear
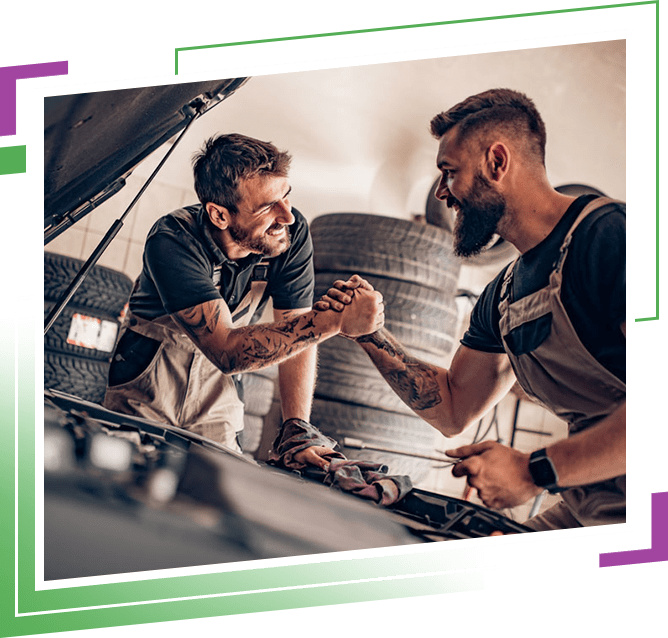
219, 215
498, 161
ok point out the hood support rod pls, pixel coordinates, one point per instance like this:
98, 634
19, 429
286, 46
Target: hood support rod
191, 110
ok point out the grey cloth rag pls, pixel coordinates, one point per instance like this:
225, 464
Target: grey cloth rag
362, 478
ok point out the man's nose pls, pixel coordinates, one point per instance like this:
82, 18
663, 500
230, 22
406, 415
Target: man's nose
285, 215
442, 191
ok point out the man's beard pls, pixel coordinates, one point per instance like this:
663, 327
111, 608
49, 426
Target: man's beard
478, 218
266, 245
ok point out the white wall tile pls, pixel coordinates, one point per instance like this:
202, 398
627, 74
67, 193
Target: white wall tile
158, 200
69, 243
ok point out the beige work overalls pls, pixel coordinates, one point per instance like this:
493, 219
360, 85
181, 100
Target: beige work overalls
563, 376
181, 386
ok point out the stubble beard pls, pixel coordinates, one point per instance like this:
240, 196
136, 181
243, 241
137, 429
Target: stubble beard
478, 219
266, 245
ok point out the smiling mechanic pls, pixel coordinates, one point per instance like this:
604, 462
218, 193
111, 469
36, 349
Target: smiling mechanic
554, 319
208, 269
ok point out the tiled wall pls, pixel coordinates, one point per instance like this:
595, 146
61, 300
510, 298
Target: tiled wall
125, 251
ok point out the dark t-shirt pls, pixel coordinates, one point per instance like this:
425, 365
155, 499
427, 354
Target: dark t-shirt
180, 259
179, 262
593, 290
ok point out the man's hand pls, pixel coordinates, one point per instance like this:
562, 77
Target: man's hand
339, 295
361, 306
499, 473
364, 315
314, 455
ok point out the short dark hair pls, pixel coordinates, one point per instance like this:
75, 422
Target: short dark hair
495, 110
226, 159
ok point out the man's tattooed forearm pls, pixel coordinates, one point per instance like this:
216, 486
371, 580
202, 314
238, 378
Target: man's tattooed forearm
377, 339
416, 385
287, 326
413, 381
252, 347
265, 346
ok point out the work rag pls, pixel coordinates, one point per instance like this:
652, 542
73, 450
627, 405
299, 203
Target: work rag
363, 478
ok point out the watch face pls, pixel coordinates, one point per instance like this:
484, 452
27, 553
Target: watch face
542, 471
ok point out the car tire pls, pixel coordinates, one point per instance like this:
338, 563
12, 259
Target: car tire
251, 435
103, 293
84, 378
56, 339
258, 393
385, 247
103, 289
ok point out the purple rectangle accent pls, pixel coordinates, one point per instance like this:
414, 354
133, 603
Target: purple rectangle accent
659, 550
8, 78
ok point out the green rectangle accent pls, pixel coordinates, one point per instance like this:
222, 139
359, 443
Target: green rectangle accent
12, 160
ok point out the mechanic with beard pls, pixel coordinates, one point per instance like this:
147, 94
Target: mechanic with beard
208, 270
554, 319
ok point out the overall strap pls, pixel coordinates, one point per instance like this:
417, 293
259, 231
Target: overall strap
249, 304
595, 204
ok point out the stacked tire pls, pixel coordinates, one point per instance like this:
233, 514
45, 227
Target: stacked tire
412, 265
258, 398
78, 347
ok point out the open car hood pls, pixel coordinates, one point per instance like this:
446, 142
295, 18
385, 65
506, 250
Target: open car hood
93, 141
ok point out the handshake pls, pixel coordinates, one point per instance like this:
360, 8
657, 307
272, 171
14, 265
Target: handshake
360, 306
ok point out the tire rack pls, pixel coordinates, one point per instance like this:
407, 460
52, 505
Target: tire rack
412, 265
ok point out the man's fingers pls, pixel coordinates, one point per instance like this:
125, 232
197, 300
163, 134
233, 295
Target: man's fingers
314, 456
342, 296
326, 302
469, 450
358, 282
343, 286
470, 467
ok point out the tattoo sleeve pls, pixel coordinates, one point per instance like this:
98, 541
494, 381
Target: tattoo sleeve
249, 347
414, 381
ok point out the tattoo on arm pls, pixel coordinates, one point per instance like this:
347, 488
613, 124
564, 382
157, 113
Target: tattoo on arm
198, 322
414, 381
254, 346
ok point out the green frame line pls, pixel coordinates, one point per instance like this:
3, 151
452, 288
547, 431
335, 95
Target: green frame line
484, 19
656, 241
399, 27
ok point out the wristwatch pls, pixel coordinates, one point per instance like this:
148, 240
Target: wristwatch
543, 472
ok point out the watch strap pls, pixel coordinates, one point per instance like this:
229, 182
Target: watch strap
543, 473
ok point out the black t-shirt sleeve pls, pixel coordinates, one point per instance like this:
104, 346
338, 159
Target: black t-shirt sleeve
180, 273
292, 285
483, 331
